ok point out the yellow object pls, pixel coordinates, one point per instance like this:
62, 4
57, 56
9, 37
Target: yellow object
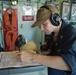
30, 46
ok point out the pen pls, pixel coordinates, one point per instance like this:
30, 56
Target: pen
0, 57
19, 49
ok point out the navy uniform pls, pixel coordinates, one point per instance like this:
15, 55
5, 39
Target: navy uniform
65, 46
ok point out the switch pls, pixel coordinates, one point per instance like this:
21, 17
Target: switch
21, 26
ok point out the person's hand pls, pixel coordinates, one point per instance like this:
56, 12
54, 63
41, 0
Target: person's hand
25, 56
46, 52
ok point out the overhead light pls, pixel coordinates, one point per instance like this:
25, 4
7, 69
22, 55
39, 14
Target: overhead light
14, 2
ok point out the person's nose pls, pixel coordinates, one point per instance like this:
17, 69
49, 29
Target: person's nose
42, 28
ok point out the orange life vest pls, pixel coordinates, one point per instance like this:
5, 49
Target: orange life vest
12, 12
10, 24
10, 39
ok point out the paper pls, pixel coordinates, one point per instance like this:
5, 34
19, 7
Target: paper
8, 59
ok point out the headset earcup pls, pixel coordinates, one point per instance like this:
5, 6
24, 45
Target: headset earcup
55, 19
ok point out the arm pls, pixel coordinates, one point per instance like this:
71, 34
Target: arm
56, 62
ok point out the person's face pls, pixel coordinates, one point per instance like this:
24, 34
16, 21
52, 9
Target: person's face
47, 27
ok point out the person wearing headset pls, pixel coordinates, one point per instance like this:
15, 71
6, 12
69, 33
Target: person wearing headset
62, 57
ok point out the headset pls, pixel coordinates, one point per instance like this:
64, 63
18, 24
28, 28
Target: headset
54, 17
